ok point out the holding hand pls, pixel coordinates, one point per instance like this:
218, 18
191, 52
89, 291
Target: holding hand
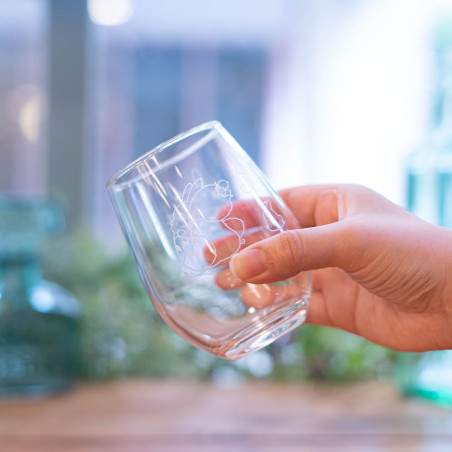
379, 271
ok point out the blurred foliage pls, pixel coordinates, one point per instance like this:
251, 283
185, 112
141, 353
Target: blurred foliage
122, 335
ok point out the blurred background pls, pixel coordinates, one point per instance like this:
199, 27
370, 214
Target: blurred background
324, 91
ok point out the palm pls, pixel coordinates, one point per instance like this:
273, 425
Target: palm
338, 301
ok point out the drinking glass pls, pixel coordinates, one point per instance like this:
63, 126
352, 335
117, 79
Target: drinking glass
186, 207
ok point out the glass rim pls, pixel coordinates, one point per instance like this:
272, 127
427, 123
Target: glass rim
112, 182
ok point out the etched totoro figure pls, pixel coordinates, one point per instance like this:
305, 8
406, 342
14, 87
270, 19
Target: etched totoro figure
196, 223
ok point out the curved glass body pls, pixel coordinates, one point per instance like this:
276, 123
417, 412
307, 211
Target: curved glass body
186, 207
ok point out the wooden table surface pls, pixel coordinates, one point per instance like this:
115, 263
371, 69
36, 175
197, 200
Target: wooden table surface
148, 415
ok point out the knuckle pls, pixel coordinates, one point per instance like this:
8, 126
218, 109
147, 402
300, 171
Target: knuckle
356, 244
289, 249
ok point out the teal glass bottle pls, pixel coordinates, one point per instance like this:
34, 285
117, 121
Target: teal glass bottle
38, 319
429, 196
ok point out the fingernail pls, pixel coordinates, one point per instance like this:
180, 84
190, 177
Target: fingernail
248, 264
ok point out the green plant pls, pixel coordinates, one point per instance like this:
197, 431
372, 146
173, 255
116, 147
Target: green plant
122, 335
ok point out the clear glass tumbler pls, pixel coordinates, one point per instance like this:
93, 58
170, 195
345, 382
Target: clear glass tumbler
186, 207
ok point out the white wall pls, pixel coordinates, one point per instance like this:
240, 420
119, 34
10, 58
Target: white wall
349, 93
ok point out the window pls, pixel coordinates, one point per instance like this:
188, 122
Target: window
23, 96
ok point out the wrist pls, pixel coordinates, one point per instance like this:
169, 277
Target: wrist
446, 295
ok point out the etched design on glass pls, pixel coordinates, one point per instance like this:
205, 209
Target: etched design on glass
274, 221
203, 211
245, 186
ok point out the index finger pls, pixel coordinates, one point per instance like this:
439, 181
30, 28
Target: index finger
258, 212
315, 205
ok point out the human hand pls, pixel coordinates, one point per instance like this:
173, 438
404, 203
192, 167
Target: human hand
379, 271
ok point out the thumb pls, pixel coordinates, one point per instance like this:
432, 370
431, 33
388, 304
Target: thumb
287, 254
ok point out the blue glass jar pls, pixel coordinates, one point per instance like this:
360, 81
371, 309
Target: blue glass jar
38, 319
429, 375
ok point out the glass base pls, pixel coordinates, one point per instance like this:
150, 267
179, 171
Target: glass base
439, 396
275, 325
